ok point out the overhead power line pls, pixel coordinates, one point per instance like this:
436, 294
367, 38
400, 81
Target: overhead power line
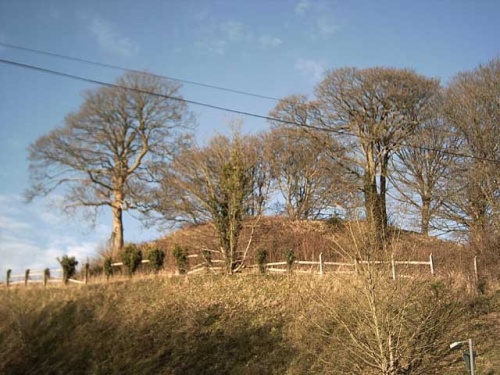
224, 109
102, 83
104, 65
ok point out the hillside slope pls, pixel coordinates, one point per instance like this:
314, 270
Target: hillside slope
247, 324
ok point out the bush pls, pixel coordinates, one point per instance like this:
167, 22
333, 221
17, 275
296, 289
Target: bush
156, 259
68, 265
181, 259
131, 258
335, 222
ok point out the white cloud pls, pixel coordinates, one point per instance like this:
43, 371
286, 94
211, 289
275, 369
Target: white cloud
31, 237
218, 37
217, 47
11, 224
310, 68
110, 40
215, 38
325, 26
268, 41
302, 6
318, 17
232, 30
10, 204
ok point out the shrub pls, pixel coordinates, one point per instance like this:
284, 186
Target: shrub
261, 258
131, 258
156, 259
181, 259
68, 265
335, 222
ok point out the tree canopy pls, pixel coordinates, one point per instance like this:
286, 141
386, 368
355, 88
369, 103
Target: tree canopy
106, 151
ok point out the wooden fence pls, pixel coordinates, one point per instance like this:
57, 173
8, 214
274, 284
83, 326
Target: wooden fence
35, 277
321, 266
52, 276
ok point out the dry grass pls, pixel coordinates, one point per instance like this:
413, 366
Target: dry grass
245, 324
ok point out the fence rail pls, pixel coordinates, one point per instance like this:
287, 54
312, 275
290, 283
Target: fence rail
319, 267
34, 277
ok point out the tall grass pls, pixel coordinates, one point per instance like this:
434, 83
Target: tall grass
244, 324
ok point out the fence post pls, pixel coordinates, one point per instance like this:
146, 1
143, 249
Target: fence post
321, 264
7, 280
86, 274
46, 276
476, 274
26, 277
431, 263
393, 264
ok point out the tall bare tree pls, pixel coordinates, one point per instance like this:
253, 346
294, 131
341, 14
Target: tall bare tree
260, 173
473, 108
214, 185
309, 166
373, 111
422, 165
308, 179
105, 152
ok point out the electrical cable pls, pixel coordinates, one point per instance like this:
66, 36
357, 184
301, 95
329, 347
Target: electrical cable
225, 109
104, 65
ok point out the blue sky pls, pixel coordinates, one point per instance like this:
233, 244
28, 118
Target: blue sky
273, 48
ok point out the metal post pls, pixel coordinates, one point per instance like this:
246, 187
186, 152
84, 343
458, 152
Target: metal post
321, 264
471, 353
476, 274
431, 263
393, 264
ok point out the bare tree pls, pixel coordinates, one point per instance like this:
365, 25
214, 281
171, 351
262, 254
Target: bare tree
310, 168
105, 152
260, 172
472, 107
373, 111
214, 185
309, 181
422, 165
384, 326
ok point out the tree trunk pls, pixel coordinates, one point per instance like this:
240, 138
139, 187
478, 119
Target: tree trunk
382, 197
376, 215
370, 193
117, 230
425, 215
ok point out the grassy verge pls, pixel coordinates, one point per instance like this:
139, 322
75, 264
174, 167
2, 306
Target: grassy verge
211, 325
